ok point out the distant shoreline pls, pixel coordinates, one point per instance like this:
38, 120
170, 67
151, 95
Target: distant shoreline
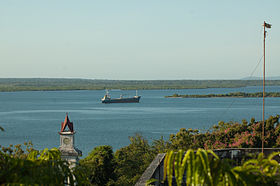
60, 84
230, 95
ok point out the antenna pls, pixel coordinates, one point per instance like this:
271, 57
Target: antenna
265, 25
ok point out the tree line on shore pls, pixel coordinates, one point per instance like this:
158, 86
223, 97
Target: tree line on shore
233, 94
125, 166
52, 84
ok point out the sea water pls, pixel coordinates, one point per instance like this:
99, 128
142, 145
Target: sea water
37, 115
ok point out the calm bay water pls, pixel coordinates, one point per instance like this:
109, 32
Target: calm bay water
37, 115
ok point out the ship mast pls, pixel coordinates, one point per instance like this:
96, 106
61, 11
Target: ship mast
265, 25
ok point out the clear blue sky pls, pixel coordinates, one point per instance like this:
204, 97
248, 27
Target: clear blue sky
144, 39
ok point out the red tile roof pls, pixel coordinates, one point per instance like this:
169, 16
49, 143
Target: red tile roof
67, 123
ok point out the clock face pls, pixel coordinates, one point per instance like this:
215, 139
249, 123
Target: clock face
66, 141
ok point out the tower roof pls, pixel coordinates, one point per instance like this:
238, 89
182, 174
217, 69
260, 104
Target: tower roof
66, 124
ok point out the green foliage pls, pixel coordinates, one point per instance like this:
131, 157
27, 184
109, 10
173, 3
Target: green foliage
44, 167
160, 146
132, 160
16, 151
185, 139
228, 135
126, 165
259, 171
102, 167
234, 94
151, 182
204, 167
99, 166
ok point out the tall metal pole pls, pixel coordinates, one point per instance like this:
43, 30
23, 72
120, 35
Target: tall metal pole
264, 35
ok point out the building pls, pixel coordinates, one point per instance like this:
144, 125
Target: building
67, 143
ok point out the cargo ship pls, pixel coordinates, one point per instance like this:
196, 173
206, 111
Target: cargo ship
107, 99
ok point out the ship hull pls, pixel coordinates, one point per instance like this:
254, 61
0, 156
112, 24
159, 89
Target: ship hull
134, 99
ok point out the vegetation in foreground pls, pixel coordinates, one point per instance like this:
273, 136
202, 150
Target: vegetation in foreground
125, 166
234, 94
33, 167
50, 84
206, 168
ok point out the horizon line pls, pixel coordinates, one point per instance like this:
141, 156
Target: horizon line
191, 79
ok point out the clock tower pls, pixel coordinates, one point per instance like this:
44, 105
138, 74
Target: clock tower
67, 143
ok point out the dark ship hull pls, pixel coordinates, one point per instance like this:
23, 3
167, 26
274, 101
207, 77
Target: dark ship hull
134, 99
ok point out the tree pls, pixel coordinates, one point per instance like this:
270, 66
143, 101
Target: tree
229, 135
99, 165
132, 160
16, 151
186, 139
160, 145
35, 167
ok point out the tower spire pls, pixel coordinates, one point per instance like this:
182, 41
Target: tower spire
66, 124
67, 143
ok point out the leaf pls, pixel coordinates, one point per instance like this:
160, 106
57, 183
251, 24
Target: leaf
165, 165
202, 154
33, 155
177, 165
181, 168
272, 155
213, 153
170, 164
189, 161
148, 182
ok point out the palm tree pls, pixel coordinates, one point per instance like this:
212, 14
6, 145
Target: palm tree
204, 167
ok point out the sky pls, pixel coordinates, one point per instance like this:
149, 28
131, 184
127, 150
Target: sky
138, 40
